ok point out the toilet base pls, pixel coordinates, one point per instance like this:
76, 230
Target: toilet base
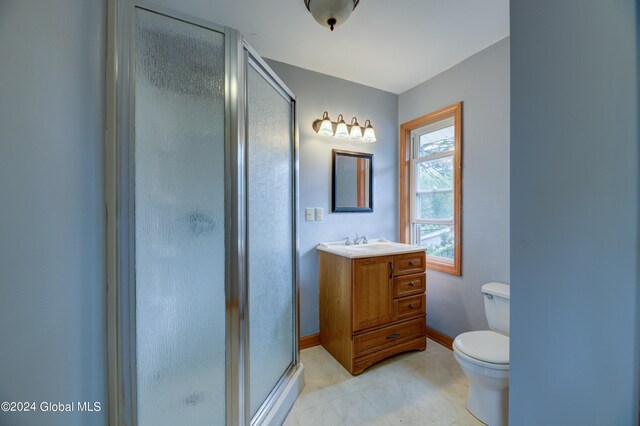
488, 405
488, 397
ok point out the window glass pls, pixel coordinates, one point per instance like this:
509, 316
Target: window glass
441, 140
437, 239
435, 174
435, 205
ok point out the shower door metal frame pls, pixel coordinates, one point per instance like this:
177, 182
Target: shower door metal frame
120, 206
253, 59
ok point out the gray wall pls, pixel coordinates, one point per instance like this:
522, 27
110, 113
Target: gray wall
481, 82
52, 229
574, 212
315, 94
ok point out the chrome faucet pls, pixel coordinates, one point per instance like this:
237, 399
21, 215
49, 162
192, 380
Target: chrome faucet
356, 241
360, 240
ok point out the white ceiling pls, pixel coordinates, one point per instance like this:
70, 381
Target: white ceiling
392, 45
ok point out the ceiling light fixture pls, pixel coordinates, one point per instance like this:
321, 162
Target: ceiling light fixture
331, 13
340, 129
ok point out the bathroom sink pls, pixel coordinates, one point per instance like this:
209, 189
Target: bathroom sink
375, 247
372, 247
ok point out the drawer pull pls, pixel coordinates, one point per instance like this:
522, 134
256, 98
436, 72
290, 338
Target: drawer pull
393, 336
412, 284
411, 263
411, 306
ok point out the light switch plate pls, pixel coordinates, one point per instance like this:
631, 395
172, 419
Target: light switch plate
308, 214
319, 214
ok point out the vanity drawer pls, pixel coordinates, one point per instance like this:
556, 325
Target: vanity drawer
409, 285
410, 306
388, 336
409, 263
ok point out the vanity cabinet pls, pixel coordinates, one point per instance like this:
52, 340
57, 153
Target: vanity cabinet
372, 294
371, 308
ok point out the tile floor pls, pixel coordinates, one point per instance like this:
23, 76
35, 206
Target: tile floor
415, 388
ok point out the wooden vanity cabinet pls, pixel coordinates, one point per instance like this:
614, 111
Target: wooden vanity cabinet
371, 308
372, 294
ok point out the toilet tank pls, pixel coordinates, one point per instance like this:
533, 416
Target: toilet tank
496, 306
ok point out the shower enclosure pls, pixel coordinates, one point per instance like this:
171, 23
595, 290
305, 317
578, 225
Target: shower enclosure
202, 247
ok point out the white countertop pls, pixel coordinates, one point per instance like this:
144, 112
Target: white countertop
375, 247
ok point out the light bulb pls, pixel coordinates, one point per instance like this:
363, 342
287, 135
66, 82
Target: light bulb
356, 131
326, 128
369, 133
341, 129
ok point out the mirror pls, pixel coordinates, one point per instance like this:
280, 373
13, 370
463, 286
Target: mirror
352, 187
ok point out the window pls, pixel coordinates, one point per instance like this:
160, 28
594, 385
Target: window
431, 186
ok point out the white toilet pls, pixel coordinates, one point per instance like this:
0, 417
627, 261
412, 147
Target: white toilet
484, 359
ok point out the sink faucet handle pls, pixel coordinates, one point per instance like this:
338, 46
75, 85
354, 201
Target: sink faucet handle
365, 240
347, 241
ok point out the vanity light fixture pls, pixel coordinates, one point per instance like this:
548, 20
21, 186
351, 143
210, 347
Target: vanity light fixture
326, 127
331, 13
356, 131
340, 129
369, 133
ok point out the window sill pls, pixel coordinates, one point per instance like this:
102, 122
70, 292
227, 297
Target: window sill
444, 265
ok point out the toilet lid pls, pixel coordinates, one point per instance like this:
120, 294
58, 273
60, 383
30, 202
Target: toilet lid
486, 345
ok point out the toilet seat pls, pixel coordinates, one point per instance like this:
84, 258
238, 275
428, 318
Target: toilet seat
484, 347
486, 367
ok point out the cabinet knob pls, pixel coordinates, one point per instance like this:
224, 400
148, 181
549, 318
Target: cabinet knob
411, 306
412, 284
411, 263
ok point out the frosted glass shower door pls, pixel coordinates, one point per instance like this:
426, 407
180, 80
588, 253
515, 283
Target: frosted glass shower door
271, 249
179, 222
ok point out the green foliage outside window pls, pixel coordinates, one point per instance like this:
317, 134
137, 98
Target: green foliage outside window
437, 174
444, 246
445, 249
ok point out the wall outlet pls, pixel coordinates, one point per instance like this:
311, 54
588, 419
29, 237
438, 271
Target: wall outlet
309, 214
319, 214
